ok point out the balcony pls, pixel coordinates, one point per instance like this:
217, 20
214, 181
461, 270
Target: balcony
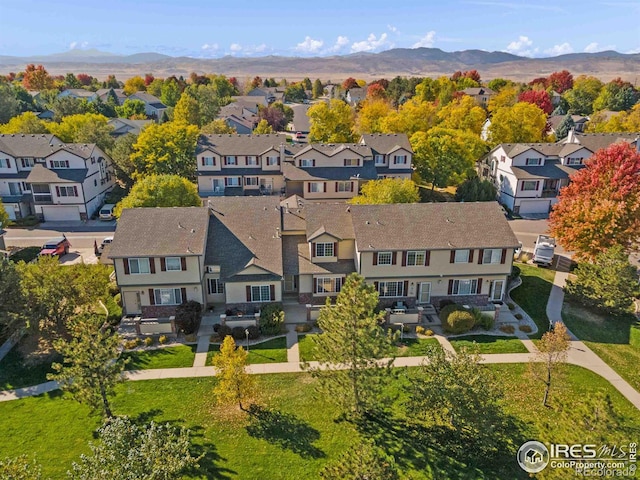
549, 193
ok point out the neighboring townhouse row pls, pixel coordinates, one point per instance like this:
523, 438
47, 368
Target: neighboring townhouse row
265, 164
529, 176
246, 251
41, 175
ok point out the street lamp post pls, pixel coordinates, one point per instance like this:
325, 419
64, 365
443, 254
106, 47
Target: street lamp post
246, 332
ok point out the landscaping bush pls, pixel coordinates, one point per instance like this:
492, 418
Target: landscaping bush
406, 329
525, 328
216, 327
28, 221
163, 339
459, 321
429, 333
511, 305
445, 302
238, 333
131, 344
114, 308
118, 299
510, 329
420, 330
188, 316
483, 320
515, 272
254, 332
448, 309
26, 254
304, 327
271, 318
525, 257
518, 316
116, 194
148, 341
224, 331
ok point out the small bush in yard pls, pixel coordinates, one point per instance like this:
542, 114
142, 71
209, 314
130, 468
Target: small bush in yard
525, 328
445, 302
131, 344
271, 318
459, 322
515, 272
163, 339
420, 330
148, 341
303, 327
511, 305
485, 321
254, 332
216, 327
448, 310
224, 331
429, 333
525, 257
518, 316
510, 329
188, 316
238, 333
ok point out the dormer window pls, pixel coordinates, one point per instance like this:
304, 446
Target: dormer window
324, 249
5, 163
27, 162
574, 161
307, 162
230, 160
379, 159
351, 162
208, 162
400, 160
252, 160
273, 160
59, 163
533, 161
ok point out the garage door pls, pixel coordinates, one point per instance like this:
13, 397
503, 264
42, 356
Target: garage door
534, 206
61, 213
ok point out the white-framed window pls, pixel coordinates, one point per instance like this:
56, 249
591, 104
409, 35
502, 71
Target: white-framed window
391, 289
5, 163
324, 249
215, 286
173, 264
251, 181
272, 160
461, 256
306, 162
351, 162
400, 159
465, 287
529, 185
503, 158
416, 258
316, 187
27, 162
232, 181
379, 159
230, 160
59, 163
384, 258
574, 161
328, 285
343, 186
252, 160
492, 255
533, 161
207, 161
167, 296
260, 293
67, 191
138, 266
15, 188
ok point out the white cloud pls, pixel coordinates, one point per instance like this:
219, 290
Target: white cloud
561, 49
392, 28
210, 46
371, 44
309, 45
341, 43
594, 47
634, 50
427, 41
258, 49
522, 47
235, 47
78, 45
247, 50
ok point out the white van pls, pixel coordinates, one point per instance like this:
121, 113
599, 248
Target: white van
106, 212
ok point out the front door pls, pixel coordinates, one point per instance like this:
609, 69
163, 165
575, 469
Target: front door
132, 303
496, 290
424, 295
290, 283
218, 185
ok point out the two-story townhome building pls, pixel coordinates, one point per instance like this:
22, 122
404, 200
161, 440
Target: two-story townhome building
57, 181
392, 154
481, 95
158, 257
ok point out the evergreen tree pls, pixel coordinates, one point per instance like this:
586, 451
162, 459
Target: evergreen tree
475, 190
317, 89
564, 126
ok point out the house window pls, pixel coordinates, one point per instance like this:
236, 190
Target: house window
251, 181
260, 293
14, 188
232, 181
5, 163
252, 160
306, 162
139, 266
492, 255
465, 287
59, 163
215, 286
574, 161
343, 186
529, 185
351, 162
328, 285
461, 256
232, 160
272, 160
379, 159
173, 264
384, 258
66, 191
399, 159
391, 289
533, 161
324, 250
207, 161
416, 259
27, 162
167, 296
316, 187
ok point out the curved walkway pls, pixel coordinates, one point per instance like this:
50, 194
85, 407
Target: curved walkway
579, 354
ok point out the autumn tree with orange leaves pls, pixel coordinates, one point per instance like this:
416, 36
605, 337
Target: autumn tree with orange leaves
600, 208
36, 78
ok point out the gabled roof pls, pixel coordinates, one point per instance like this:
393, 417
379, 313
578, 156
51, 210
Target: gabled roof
367, 171
473, 91
41, 174
555, 120
383, 144
79, 92
546, 149
234, 144
36, 145
125, 125
598, 141
432, 226
293, 214
334, 218
148, 99
148, 232
329, 149
552, 169
244, 231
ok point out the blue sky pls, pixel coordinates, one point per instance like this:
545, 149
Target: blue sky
214, 28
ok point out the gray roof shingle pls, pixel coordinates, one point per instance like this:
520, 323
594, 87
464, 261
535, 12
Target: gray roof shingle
36, 145
367, 171
41, 174
552, 169
233, 144
385, 143
335, 218
598, 141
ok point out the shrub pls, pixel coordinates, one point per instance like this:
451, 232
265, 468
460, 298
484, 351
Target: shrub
525, 328
445, 302
429, 333
163, 339
515, 272
223, 331
191, 337
238, 333
525, 257
28, 221
485, 321
118, 299
518, 316
26, 254
131, 344
420, 330
510, 329
254, 332
271, 318
188, 316
303, 327
459, 321
511, 305
148, 341
216, 327
448, 309
114, 308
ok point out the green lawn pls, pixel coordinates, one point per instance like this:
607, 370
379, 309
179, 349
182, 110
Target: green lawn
533, 294
302, 432
271, 351
489, 344
305, 347
412, 347
169, 357
615, 340
15, 374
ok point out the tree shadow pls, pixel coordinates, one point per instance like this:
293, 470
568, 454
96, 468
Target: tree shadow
284, 430
210, 460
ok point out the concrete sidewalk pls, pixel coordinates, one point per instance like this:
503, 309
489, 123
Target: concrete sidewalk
293, 348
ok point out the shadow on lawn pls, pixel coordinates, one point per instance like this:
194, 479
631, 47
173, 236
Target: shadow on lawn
209, 463
285, 430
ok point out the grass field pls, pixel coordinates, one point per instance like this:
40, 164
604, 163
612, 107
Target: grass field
489, 344
533, 294
302, 432
15, 374
271, 351
168, 357
615, 340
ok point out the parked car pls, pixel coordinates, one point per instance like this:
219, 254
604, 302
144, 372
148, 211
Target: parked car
106, 212
105, 241
299, 135
56, 247
544, 250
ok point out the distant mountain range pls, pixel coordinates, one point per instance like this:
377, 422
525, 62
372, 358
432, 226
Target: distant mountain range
399, 61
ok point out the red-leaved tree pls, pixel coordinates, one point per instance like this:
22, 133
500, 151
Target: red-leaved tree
537, 97
376, 91
600, 208
560, 81
349, 83
36, 78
